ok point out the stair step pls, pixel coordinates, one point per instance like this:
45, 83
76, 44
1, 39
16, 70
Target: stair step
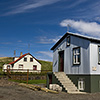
66, 82
70, 86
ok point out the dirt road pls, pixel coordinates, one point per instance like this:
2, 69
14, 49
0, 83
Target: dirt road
11, 91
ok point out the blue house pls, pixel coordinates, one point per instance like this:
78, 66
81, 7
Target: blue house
76, 63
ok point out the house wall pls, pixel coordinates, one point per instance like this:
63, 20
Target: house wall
69, 68
28, 64
94, 66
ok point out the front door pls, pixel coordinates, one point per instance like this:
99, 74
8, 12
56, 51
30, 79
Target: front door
61, 61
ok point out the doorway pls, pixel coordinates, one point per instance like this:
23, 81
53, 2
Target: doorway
61, 61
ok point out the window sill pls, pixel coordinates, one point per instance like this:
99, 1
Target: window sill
76, 64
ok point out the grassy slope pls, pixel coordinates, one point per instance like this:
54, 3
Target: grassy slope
46, 65
5, 60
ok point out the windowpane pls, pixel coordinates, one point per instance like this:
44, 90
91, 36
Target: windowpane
78, 58
99, 49
31, 59
77, 50
25, 59
75, 59
76, 55
34, 67
21, 66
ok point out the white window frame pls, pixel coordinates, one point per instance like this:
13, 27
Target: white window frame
76, 53
81, 84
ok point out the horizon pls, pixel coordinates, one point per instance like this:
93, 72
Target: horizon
35, 26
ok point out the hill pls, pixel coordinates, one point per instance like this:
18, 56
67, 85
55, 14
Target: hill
46, 65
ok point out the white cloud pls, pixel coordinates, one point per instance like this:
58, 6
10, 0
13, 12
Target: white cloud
97, 19
90, 28
29, 4
45, 40
19, 41
47, 53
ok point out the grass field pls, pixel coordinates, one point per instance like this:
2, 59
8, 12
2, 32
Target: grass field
30, 81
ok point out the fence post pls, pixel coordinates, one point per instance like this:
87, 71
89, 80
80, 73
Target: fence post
27, 75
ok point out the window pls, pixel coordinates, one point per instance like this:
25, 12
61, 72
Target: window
25, 59
68, 41
76, 55
34, 67
21, 66
99, 54
81, 84
31, 59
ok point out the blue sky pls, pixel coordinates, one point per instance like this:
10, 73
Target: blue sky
41, 23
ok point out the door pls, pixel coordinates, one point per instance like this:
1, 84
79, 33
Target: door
61, 61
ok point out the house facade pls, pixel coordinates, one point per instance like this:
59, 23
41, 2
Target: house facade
24, 62
78, 57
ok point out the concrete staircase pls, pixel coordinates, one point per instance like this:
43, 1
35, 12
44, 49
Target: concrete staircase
66, 82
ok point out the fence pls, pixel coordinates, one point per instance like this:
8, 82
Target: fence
26, 74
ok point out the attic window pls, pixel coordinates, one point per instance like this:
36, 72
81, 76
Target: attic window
25, 59
99, 54
76, 55
31, 59
68, 41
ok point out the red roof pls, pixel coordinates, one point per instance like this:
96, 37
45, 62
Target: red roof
19, 58
22, 57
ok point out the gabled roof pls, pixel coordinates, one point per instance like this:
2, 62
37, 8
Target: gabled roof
22, 57
77, 35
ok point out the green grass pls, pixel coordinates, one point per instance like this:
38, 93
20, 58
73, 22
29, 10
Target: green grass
30, 81
46, 65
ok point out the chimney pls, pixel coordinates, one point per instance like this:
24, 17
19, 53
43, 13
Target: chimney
21, 54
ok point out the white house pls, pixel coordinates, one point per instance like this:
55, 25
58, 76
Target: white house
24, 62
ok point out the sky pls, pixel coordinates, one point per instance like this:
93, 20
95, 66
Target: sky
36, 25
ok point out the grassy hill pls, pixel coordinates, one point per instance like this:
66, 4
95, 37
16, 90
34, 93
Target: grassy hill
46, 65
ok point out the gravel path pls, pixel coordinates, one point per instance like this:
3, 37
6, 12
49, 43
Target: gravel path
12, 91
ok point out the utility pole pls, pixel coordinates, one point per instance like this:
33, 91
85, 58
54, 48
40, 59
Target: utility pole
68, 27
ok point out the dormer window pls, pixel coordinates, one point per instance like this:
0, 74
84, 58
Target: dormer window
25, 59
68, 41
31, 59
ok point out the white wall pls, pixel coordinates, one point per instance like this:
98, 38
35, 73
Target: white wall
94, 66
28, 64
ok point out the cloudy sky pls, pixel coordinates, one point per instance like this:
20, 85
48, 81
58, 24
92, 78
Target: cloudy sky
35, 25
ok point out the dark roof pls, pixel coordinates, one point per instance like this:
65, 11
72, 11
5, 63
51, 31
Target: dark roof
22, 57
77, 35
